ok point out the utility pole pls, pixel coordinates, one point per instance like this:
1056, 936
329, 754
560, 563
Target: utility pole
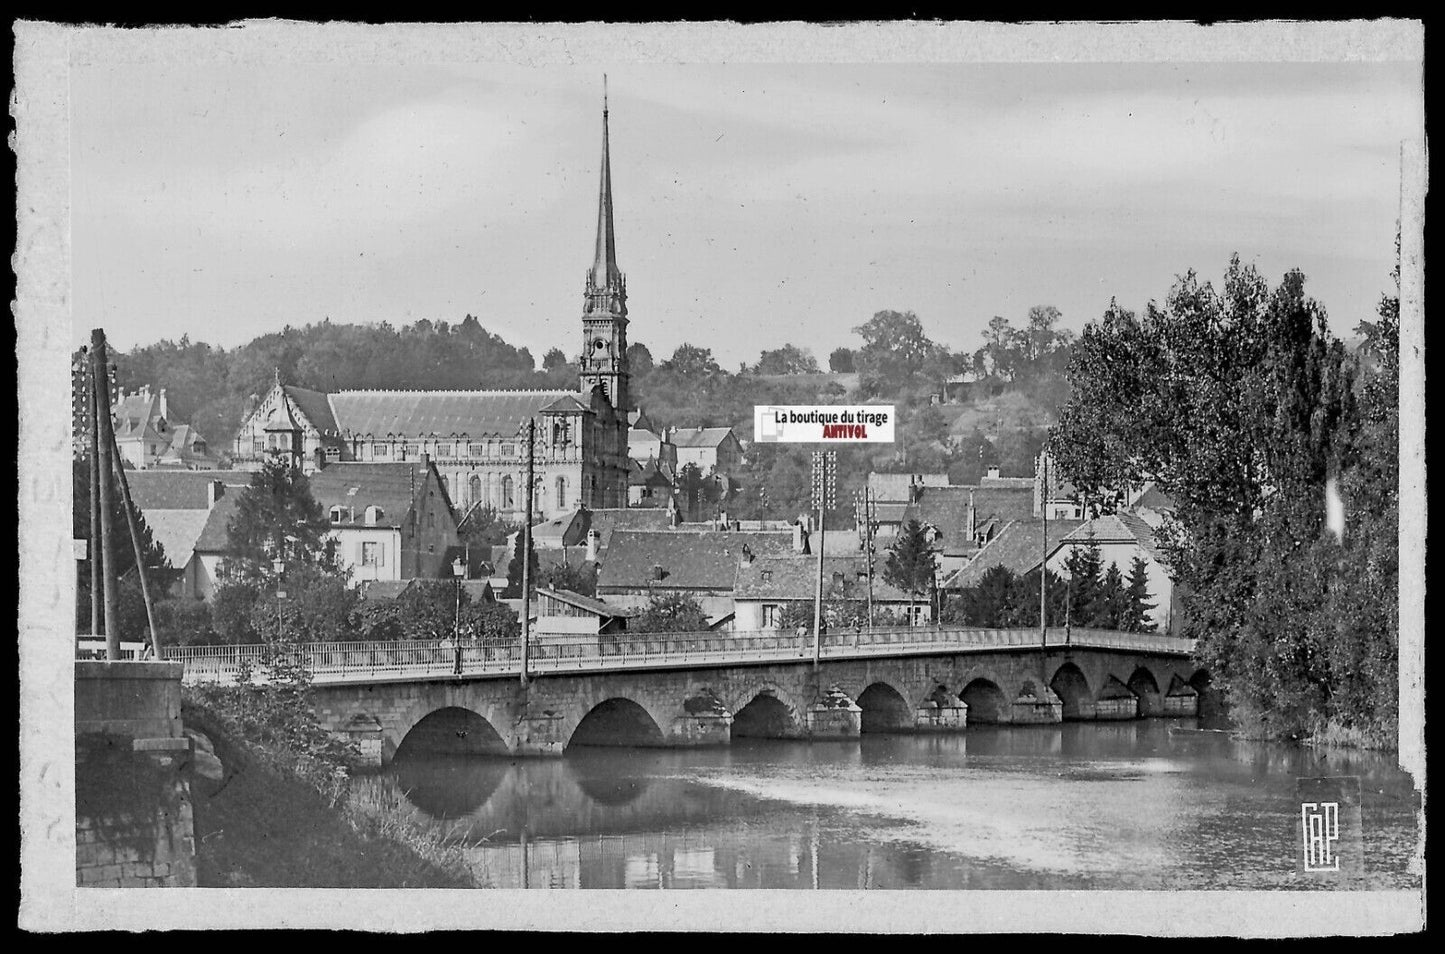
105, 434
93, 426
1044, 558
868, 522
145, 590
527, 546
825, 465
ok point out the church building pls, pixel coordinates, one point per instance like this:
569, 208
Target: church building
478, 439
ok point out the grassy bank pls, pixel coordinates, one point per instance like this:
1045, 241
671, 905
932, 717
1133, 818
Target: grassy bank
281, 817
1247, 722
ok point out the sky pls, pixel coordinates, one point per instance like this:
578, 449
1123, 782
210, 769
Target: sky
756, 204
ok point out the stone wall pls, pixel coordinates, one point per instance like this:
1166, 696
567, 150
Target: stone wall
133, 818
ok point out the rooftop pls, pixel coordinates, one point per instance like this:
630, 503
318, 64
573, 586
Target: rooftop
1018, 547
473, 414
690, 559
355, 486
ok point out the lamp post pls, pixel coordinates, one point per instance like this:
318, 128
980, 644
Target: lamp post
278, 566
459, 570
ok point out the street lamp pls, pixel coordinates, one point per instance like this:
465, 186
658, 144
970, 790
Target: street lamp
459, 570
278, 565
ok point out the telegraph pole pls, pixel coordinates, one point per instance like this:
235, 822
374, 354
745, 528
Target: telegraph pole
93, 427
145, 591
1044, 558
527, 546
825, 464
868, 522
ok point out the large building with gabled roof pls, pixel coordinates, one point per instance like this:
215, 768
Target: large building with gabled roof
478, 439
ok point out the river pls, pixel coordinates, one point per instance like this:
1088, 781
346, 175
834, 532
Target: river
1124, 805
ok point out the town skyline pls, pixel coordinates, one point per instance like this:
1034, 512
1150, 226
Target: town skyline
756, 205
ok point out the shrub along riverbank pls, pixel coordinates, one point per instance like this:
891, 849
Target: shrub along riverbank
283, 812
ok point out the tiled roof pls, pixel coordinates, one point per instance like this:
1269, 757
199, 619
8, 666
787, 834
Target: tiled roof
1118, 528
1002, 502
567, 403
383, 589
355, 486
701, 436
563, 530
422, 413
689, 559
1155, 499
894, 487
177, 532
892, 512
795, 577
1025, 482
180, 489
945, 508
213, 536
1018, 547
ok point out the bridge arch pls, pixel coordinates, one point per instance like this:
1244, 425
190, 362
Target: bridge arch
616, 721
884, 709
450, 730
1072, 688
986, 700
1212, 707
765, 711
1143, 684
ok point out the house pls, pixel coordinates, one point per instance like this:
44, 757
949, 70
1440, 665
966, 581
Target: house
644, 444
709, 448
390, 521
148, 437
1019, 546
957, 519
699, 563
898, 488
650, 484
564, 613
188, 513
766, 586
1121, 537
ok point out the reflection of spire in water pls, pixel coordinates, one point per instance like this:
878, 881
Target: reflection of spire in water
450, 787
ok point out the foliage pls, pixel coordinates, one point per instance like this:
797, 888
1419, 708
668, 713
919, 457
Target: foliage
690, 361
1135, 616
232, 606
276, 516
669, 613
579, 578
514, 568
482, 529
911, 565
840, 360
1241, 406
185, 622
789, 359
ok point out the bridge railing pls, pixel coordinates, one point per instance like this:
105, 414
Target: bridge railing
338, 661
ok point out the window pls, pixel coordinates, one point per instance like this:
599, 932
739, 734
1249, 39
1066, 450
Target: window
508, 498
446, 484
412, 451
474, 489
374, 514
508, 449
336, 513
380, 450
257, 445
477, 450
372, 554
767, 576
561, 493
772, 615
444, 450
431, 520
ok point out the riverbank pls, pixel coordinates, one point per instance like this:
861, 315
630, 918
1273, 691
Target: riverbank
1248, 724
279, 817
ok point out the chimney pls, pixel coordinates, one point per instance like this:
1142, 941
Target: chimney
747, 556
656, 572
800, 538
838, 578
993, 473
594, 537
165, 413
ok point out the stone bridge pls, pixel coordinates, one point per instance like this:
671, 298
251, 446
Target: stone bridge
937, 687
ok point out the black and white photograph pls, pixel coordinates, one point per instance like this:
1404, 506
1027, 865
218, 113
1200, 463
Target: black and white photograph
973, 473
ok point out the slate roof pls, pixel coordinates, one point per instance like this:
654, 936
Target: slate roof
651, 473
1016, 547
1155, 499
180, 489
213, 535
315, 405
566, 529
423, 413
1117, 528
391, 486
691, 559
795, 577
945, 508
1002, 502
383, 589
701, 436
1023, 482
607, 521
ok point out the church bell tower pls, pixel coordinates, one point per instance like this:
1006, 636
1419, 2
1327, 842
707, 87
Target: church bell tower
603, 362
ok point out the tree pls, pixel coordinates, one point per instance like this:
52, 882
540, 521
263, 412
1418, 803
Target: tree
554, 360
929, 424
514, 569
1111, 606
789, 359
276, 516
670, 613
911, 565
840, 360
894, 351
576, 577
1135, 617
690, 361
1085, 565
639, 360
1241, 406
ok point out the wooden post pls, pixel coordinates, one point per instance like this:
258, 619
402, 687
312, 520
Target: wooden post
1044, 559
95, 559
527, 547
100, 382
145, 591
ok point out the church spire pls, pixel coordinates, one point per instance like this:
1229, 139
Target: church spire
604, 264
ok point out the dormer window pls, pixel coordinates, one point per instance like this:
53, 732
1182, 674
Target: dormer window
374, 515
336, 514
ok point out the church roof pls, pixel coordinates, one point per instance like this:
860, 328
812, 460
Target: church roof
442, 413
605, 272
313, 405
